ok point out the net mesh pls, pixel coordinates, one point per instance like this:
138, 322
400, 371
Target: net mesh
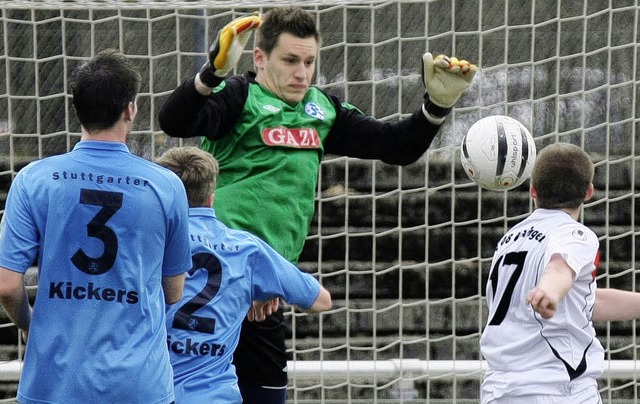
404, 250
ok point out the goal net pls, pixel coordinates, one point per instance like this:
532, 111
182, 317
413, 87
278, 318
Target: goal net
403, 250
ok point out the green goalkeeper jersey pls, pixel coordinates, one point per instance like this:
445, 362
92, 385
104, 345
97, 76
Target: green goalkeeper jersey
269, 165
270, 151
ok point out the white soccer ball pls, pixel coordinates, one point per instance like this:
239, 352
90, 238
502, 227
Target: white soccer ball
498, 153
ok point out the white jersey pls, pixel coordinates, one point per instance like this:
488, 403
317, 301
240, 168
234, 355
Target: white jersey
525, 353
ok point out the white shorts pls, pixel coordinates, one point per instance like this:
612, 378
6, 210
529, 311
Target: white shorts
590, 395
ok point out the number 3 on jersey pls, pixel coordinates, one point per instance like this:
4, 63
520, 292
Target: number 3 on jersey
511, 258
109, 203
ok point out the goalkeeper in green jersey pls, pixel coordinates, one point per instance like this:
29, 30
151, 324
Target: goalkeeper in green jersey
269, 131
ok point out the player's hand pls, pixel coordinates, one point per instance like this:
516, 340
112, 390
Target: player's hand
261, 310
544, 303
445, 79
227, 48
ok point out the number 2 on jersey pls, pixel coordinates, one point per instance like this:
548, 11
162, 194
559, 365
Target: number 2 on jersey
511, 258
184, 318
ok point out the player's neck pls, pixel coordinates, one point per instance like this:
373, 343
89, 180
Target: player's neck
574, 213
117, 133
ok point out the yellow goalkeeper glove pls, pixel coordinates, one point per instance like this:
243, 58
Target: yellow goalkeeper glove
445, 79
226, 50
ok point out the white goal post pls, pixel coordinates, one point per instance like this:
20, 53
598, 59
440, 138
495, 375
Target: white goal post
403, 250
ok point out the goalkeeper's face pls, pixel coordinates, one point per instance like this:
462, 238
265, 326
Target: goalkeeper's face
288, 70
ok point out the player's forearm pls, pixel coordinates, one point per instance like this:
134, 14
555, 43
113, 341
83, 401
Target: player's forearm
15, 302
172, 287
322, 302
616, 305
18, 311
555, 286
557, 277
400, 142
410, 139
179, 115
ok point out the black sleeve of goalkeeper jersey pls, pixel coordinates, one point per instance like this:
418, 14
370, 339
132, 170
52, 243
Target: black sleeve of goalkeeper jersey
400, 142
187, 113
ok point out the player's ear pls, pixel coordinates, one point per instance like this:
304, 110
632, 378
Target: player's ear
590, 192
259, 57
131, 110
533, 192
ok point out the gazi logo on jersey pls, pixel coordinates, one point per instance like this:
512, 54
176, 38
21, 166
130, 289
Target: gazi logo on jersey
299, 138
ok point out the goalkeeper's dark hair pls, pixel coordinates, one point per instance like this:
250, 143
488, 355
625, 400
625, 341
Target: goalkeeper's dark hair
288, 19
103, 87
197, 169
561, 176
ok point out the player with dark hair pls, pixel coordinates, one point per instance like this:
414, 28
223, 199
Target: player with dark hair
109, 232
269, 131
539, 341
231, 268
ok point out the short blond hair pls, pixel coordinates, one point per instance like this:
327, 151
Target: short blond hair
197, 169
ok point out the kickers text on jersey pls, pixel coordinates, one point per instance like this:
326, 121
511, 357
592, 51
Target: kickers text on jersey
195, 348
298, 138
71, 291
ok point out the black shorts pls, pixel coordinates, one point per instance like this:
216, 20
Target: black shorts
261, 356
255, 394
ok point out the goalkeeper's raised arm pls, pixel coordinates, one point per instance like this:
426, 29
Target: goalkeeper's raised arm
269, 129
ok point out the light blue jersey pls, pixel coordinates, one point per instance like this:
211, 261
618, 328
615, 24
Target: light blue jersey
104, 226
231, 268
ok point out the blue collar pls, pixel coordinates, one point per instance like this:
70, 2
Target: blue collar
101, 145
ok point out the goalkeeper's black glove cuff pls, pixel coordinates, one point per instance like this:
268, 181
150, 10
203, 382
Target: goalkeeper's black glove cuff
434, 113
207, 76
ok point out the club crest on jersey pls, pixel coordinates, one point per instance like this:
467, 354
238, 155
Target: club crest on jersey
313, 110
297, 138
